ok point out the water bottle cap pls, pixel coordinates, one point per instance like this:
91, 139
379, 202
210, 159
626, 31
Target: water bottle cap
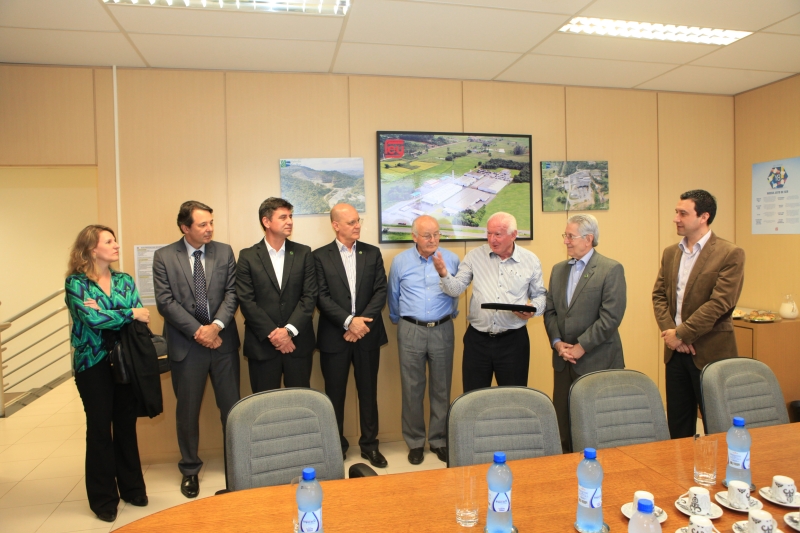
499, 457
590, 453
309, 474
645, 506
738, 421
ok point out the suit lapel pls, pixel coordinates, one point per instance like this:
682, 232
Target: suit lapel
588, 272
673, 285
288, 261
361, 264
705, 253
263, 254
338, 264
182, 256
209, 267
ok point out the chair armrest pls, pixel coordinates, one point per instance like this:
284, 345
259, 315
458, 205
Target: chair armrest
361, 470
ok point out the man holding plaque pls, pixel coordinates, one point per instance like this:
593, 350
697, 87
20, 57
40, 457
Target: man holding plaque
503, 274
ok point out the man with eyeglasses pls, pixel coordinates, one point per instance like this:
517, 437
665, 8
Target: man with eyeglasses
352, 293
496, 342
586, 301
425, 336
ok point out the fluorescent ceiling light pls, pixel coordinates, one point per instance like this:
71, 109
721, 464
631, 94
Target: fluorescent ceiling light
337, 8
658, 32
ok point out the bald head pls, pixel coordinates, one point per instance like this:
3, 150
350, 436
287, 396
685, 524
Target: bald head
346, 223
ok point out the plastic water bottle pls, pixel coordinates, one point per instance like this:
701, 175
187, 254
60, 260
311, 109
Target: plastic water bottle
739, 442
643, 519
498, 518
309, 502
590, 493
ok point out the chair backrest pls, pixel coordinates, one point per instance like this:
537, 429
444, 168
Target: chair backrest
516, 420
744, 387
612, 408
271, 436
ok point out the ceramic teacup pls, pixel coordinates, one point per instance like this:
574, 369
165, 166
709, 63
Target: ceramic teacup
698, 500
739, 495
783, 489
701, 524
761, 522
642, 495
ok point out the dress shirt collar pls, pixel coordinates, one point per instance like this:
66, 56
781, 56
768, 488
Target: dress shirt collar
343, 248
684, 244
191, 249
514, 255
272, 250
416, 251
584, 259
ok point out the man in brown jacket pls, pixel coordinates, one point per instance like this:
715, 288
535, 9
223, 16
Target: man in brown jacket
697, 288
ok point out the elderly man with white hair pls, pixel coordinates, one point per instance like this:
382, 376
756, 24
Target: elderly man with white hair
496, 342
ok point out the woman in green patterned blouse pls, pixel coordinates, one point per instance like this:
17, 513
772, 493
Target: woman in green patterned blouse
100, 299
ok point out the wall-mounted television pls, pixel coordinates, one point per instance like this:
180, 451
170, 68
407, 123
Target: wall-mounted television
460, 179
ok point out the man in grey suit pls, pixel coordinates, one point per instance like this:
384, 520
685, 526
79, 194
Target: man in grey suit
195, 293
585, 304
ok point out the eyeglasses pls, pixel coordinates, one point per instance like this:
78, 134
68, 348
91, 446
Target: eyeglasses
430, 236
572, 237
355, 222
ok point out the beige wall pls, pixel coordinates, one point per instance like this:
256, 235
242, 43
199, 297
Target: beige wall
217, 137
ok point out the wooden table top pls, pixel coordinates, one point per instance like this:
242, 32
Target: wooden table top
544, 493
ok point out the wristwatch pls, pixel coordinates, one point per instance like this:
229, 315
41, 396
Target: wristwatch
291, 335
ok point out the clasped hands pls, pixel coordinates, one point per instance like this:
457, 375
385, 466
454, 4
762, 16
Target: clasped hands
569, 352
357, 328
281, 340
208, 336
674, 343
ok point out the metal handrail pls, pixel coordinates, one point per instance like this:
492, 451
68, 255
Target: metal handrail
10, 357
34, 306
20, 332
34, 373
38, 356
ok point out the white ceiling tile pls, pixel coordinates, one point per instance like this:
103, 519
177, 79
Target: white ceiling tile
580, 71
712, 80
56, 15
790, 25
210, 22
57, 47
392, 60
448, 26
748, 15
566, 7
170, 51
760, 51
563, 44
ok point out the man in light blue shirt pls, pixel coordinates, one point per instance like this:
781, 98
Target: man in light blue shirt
425, 334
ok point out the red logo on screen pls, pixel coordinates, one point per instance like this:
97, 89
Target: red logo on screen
394, 148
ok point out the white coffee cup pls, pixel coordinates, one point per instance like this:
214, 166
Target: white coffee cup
739, 495
642, 495
701, 524
783, 489
761, 522
698, 501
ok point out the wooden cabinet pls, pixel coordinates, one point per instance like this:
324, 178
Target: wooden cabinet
778, 346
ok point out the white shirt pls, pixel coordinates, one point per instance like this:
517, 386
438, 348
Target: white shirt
277, 257
578, 265
191, 249
349, 261
688, 259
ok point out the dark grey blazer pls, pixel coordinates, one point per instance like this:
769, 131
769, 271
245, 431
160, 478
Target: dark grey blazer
592, 318
174, 287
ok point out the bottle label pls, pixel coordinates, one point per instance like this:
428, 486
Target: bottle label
499, 502
310, 520
591, 498
740, 460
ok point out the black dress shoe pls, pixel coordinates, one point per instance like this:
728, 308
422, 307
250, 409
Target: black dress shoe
107, 517
190, 486
138, 501
416, 455
375, 458
441, 453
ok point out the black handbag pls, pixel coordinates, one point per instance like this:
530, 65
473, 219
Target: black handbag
160, 344
120, 371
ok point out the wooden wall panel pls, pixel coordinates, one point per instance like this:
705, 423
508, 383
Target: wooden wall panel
537, 110
47, 115
106, 163
172, 149
767, 128
621, 126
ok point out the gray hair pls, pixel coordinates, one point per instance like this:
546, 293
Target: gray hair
506, 219
587, 225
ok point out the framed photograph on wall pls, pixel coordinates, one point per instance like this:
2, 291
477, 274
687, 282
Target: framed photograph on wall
574, 186
460, 179
314, 185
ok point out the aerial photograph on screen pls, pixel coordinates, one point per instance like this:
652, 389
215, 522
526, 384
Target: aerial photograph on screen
314, 185
574, 185
459, 179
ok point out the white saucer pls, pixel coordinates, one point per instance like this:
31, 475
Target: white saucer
660, 513
682, 506
722, 498
792, 520
766, 493
741, 527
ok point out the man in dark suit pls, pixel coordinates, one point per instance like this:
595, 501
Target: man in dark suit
352, 292
277, 289
585, 304
194, 288
696, 290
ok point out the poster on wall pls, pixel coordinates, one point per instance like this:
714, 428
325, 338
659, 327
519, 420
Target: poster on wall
776, 197
314, 185
460, 179
574, 186
143, 255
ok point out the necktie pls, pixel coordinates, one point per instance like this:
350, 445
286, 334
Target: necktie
200, 296
575, 277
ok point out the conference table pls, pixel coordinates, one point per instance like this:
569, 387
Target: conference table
544, 493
